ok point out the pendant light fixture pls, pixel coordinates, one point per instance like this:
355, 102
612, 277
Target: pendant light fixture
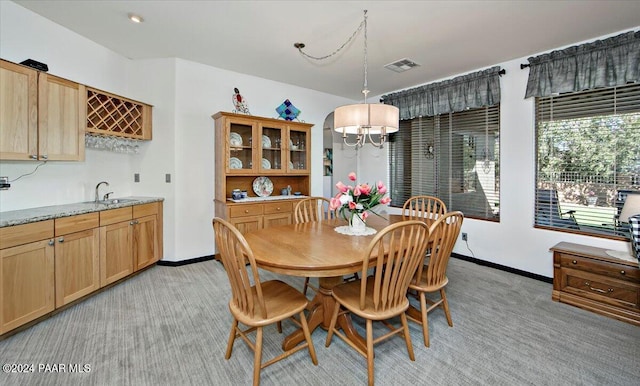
364, 120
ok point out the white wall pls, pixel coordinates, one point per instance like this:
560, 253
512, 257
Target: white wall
513, 242
186, 94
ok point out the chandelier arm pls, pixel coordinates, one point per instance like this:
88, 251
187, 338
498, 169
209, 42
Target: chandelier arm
383, 137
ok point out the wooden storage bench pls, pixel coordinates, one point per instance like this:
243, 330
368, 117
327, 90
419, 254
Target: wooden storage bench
587, 277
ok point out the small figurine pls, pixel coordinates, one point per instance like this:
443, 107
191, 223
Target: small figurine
239, 103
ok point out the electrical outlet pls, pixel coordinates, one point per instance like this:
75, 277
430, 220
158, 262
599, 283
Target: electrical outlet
136, 177
167, 178
464, 236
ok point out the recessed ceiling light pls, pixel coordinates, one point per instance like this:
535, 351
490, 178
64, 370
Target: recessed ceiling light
135, 18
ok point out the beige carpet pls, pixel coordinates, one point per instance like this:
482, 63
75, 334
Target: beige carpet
169, 325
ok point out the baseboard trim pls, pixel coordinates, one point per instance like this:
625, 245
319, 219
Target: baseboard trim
185, 262
504, 268
456, 255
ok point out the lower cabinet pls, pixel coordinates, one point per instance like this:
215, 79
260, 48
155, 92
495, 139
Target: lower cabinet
252, 216
129, 240
27, 291
587, 277
77, 269
116, 254
47, 264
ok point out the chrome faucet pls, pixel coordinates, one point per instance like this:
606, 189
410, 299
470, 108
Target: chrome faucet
97, 187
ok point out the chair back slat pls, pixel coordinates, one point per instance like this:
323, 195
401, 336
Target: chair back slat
398, 250
312, 209
443, 235
235, 253
418, 207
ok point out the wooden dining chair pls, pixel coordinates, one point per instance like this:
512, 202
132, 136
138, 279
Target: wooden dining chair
433, 277
395, 253
260, 304
312, 209
419, 207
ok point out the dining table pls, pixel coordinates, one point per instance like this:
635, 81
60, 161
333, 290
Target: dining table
316, 249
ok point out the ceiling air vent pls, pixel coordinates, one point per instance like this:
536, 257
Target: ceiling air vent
401, 65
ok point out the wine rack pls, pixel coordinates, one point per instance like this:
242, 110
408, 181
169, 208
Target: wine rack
112, 115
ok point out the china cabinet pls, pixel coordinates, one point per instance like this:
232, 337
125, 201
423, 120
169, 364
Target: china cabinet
43, 116
261, 156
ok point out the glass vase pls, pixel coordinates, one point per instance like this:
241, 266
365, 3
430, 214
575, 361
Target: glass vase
357, 224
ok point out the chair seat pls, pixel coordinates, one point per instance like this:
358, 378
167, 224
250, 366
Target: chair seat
280, 299
348, 294
424, 287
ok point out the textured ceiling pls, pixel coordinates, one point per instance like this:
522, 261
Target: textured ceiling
256, 37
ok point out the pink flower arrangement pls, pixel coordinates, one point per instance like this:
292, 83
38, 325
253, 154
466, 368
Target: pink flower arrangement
360, 198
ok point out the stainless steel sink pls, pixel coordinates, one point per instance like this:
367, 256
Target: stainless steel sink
113, 201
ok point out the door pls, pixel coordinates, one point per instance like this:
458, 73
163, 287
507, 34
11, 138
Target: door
61, 119
18, 112
116, 252
27, 283
77, 265
145, 242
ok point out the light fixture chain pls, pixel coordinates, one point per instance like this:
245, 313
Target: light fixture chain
365, 90
341, 47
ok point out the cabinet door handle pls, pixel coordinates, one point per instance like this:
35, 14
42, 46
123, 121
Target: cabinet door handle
278, 208
623, 272
246, 210
597, 289
51, 242
61, 240
44, 156
33, 156
134, 222
574, 262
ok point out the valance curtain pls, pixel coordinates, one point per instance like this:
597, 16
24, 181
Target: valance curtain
604, 63
458, 94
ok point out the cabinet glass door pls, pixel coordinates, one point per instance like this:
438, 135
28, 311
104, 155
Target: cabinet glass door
240, 147
298, 150
272, 154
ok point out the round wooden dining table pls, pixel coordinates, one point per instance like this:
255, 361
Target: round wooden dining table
315, 249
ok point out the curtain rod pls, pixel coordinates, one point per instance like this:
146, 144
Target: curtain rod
523, 66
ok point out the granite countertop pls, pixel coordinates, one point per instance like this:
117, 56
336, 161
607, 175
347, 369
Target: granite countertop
24, 216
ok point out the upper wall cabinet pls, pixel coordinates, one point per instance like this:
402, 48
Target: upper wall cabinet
42, 117
109, 114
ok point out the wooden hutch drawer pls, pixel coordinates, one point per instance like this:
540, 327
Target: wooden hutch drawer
278, 207
600, 288
245, 210
618, 271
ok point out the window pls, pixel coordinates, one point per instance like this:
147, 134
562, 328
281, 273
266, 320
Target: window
588, 159
453, 156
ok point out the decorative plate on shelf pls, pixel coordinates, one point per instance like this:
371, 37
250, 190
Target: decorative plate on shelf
235, 163
235, 139
291, 165
266, 164
262, 186
266, 142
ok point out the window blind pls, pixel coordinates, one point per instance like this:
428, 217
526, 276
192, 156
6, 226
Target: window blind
453, 156
588, 159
